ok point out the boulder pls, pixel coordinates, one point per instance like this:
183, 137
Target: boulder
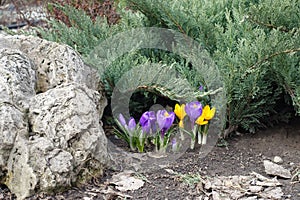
12, 123
51, 105
65, 138
56, 63
17, 78
17, 86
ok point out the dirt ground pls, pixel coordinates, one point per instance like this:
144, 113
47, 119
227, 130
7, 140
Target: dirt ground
242, 155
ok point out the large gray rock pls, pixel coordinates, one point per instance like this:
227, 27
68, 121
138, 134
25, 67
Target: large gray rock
51, 105
56, 63
68, 116
17, 78
65, 138
12, 123
17, 86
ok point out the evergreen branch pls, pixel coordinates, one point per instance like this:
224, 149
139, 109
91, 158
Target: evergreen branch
146, 10
164, 92
289, 90
272, 56
176, 23
270, 26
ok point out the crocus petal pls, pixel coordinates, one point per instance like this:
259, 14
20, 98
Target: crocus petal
131, 124
211, 114
201, 88
160, 116
201, 121
144, 119
179, 111
147, 121
146, 128
165, 120
208, 113
193, 110
122, 120
169, 120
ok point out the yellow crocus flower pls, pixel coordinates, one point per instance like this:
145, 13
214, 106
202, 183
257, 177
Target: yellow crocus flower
207, 114
180, 113
201, 121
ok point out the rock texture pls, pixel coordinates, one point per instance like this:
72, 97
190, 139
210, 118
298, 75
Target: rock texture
56, 64
51, 106
17, 78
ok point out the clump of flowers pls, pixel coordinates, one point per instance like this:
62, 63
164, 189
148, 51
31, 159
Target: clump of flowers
152, 127
165, 120
156, 128
203, 120
134, 136
198, 121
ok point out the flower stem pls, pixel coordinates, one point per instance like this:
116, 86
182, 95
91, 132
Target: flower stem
194, 137
192, 143
204, 138
204, 135
181, 134
200, 136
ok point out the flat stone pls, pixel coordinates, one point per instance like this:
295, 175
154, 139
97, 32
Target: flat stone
255, 189
276, 170
272, 193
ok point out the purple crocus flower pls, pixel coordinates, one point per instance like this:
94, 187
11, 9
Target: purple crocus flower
131, 124
193, 110
122, 120
147, 122
201, 88
165, 120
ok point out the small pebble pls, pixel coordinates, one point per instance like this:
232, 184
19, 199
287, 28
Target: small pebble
255, 189
277, 159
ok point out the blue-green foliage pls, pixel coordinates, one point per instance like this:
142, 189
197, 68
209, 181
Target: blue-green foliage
255, 44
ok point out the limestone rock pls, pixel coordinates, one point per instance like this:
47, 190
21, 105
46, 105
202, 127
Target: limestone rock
276, 170
56, 63
51, 105
17, 86
68, 116
35, 164
66, 136
17, 78
12, 123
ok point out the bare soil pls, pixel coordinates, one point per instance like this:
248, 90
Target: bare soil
242, 155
